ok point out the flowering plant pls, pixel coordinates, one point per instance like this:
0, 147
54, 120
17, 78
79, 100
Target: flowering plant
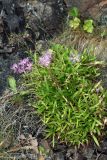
67, 95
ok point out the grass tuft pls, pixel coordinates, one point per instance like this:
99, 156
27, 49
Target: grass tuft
68, 96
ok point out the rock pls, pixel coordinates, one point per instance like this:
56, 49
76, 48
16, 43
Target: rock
72, 154
88, 153
7, 50
83, 5
12, 14
103, 147
99, 12
59, 156
102, 157
37, 19
45, 16
39, 15
1, 25
95, 9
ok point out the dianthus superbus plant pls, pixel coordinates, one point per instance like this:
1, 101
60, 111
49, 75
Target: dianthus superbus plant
67, 95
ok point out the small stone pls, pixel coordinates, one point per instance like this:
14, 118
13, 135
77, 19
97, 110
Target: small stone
88, 152
59, 156
102, 157
103, 147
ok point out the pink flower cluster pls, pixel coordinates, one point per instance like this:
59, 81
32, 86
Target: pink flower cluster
46, 58
23, 66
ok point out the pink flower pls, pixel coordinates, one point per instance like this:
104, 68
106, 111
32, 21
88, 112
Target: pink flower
46, 58
23, 66
14, 67
29, 66
24, 61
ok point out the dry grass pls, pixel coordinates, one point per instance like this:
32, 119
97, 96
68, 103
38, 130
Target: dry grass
16, 119
80, 40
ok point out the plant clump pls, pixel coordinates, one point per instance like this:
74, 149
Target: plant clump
67, 95
75, 21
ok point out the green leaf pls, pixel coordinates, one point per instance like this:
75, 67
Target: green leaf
74, 12
74, 23
12, 83
95, 140
88, 26
23, 93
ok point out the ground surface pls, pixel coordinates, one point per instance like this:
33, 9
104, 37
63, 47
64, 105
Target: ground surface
21, 131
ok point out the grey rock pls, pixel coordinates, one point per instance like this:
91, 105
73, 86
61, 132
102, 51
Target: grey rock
88, 153
102, 157
8, 11
103, 147
59, 156
45, 16
82, 5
